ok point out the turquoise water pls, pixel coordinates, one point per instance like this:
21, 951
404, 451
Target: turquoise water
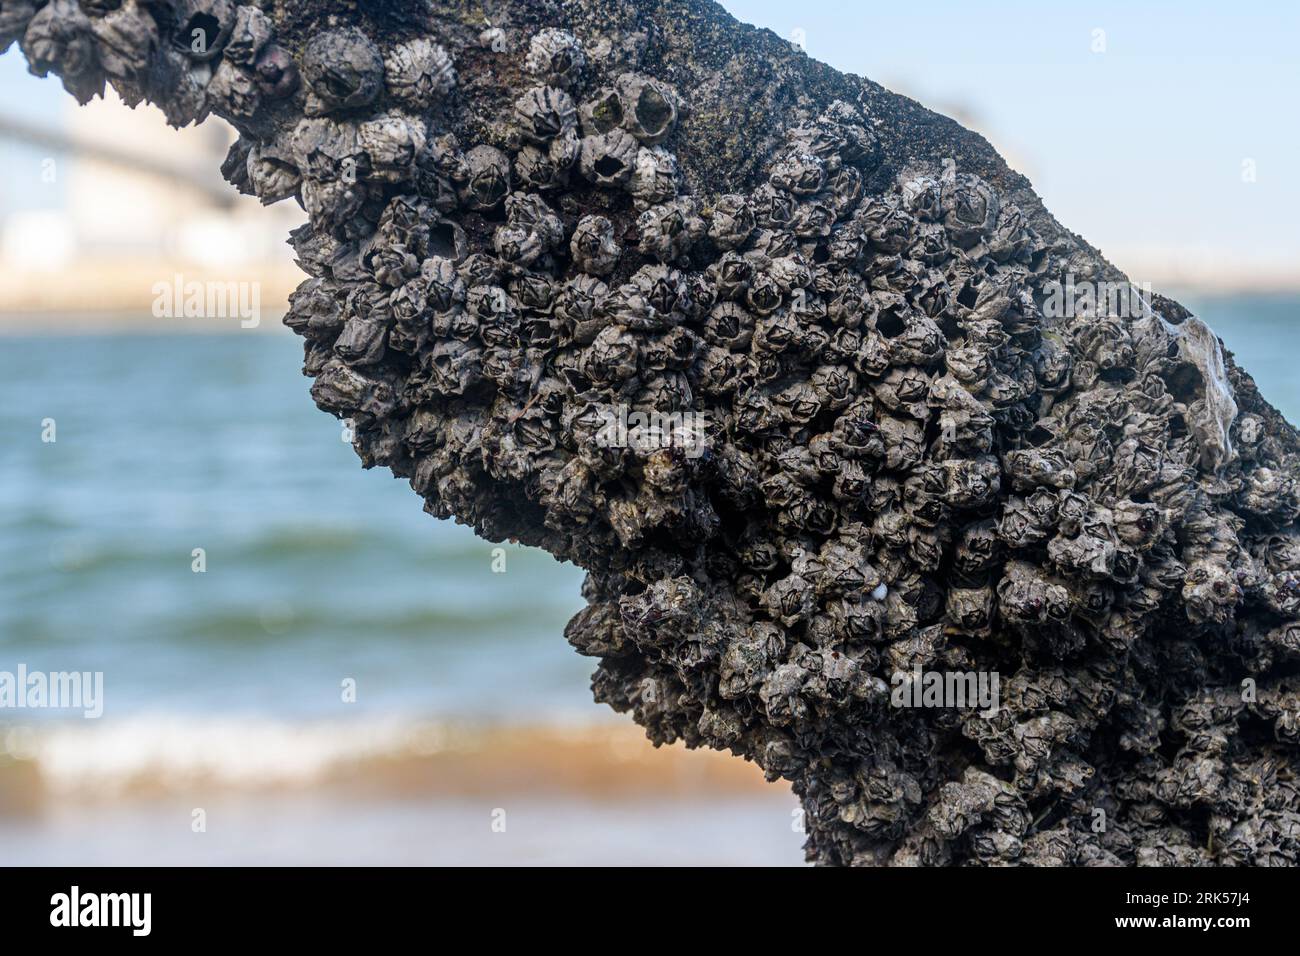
317, 571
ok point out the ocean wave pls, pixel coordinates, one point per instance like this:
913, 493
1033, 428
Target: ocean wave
148, 756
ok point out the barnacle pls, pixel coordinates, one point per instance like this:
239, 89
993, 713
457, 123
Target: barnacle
593, 246
649, 107
555, 57
59, 36
249, 35
203, 27
343, 69
545, 112
906, 458
607, 159
485, 179
419, 73
14, 17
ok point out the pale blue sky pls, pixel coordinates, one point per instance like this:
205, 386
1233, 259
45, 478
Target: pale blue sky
1139, 148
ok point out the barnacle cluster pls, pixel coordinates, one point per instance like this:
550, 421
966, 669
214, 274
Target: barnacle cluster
907, 463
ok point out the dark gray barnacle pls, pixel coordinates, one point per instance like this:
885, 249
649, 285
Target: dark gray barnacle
800, 173
797, 404
276, 72
535, 292
362, 341
970, 610
391, 143
127, 38
790, 600
555, 57
971, 482
835, 386
729, 326
654, 298
601, 114
718, 371
970, 209
649, 107
1052, 365
1019, 526
203, 27
548, 167
497, 314
14, 17
593, 246
846, 251
272, 173
1031, 467
887, 224
519, 245
731, 273
1012, 238
579, 306
344, 70
930, 244
59, 37
481, 269
336, 207
343, 390
654, 177
774, 208
764, 295
731, 221
674, 350
667, 232
923, 198
905, 390
443, 287
1138, 524
1027, 596
813, 219
325, 151
233, 94
487, 178
251, 32
419, 73
455, 366
545, 112
844, 191
316, 310
612, 357
531, 230
607, 159
777, 333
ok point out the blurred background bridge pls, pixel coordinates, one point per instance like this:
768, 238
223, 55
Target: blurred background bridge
121, 201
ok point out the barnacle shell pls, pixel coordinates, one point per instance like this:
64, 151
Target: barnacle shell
486, 178
343, 69
203, 27
14, 17
649, 107
607, 159
593, 246
59, 36
545, 112
556, 58
419, 73
128, 37
249, 35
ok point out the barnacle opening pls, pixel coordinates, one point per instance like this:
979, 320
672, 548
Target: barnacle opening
654, 112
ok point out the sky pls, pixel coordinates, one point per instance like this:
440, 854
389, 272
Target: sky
1139, 146
1163, 132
